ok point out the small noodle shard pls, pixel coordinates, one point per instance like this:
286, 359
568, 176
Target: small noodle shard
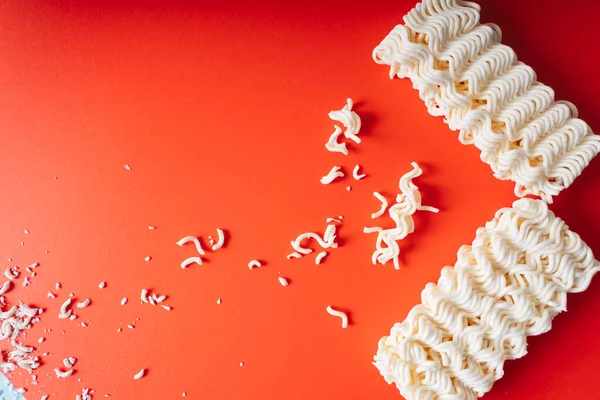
320, 257
328, 240
295, 254
283, 281
334, 145
194, 240
349, 119
332, 175
339, 314
189, 261
140, 374
355, 173
254, 264
384, 205
220, 240
84, 303
5, 287
64, 311
63, 374
407, 203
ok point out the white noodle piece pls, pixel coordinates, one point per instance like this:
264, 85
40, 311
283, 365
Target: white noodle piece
333, 174
220, 240
320, 257
349, 119
407, 203
64, 313
329, 220
189, 261
61, 374
144, 295
295, 254
254, 263
328, 240
124, 301
355, 173
384, 205
84, 303
283, 281
340, 314
9, 274
507, 285
5, 287
102, 285
194, 240
334, 145
67, 363
140, 374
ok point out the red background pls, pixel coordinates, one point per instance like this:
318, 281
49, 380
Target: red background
221, 111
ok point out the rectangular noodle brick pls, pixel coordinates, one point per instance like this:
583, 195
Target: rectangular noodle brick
507, 285
494, 101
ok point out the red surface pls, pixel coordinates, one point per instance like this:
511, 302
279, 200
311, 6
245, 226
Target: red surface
221, 110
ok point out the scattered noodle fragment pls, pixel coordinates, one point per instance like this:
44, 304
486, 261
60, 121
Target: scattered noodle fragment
189, 261
254, 264
340, 314
5, 287
384, 205
349, 119
334, 145
333, 174
9, 273
407, 203
144, 295
84, 303
148, 258
283, 281
124, 301
140, 374
64, 313
295, 254
355, 173
63, 374
194, 240
328, 240
102, 285
220, 240
320, 257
